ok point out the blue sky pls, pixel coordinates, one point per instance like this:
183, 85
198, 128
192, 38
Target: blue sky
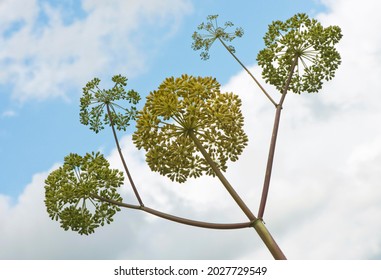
50, 49
39, 130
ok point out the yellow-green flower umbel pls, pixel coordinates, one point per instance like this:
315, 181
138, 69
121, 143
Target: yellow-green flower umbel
305, 40
184, 106
70, 192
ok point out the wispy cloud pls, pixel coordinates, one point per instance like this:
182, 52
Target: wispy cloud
43, 54
8, 114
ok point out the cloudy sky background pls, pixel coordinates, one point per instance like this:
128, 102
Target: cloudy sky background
325, 197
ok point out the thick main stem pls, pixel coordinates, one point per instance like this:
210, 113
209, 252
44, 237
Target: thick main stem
268, 240
274, 136
258, 225
248, 72
122, 158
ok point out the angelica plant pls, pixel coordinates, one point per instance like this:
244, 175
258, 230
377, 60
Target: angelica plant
188, 127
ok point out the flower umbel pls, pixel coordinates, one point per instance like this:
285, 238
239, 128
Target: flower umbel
307, 41
205, 41
183, 105
69, 192
94, 101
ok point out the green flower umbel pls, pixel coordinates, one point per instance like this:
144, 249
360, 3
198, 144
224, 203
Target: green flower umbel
99, 106
186, 105
70, 191
307, 41
213, 33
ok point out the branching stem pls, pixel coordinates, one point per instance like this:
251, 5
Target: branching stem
222, 178
258, 224
176, 218
274, 137
248, 72
122, 157
153, 211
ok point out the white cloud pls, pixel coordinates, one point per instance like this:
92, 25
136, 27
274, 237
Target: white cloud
8, 113
326, 192
28, 233
42, 56
360, 49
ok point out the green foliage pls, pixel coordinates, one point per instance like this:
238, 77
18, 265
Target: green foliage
183, 105
70, 190
96, 102
304, 39
205, 41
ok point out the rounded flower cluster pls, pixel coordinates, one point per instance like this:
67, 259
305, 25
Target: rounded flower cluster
305, 40
99, 107
70, 190
184, 106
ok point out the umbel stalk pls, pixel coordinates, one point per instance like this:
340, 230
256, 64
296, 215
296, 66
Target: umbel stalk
248, 72
256, 223
274, 136
122, 157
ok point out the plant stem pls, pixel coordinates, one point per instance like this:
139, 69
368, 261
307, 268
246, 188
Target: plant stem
122, 157
222, 178
176, 218
248, 72
266, 237
274, 136
256, 223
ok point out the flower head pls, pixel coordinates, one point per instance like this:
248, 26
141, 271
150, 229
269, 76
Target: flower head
307, 41
96, 102
183, 105
205, 41
70, 190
